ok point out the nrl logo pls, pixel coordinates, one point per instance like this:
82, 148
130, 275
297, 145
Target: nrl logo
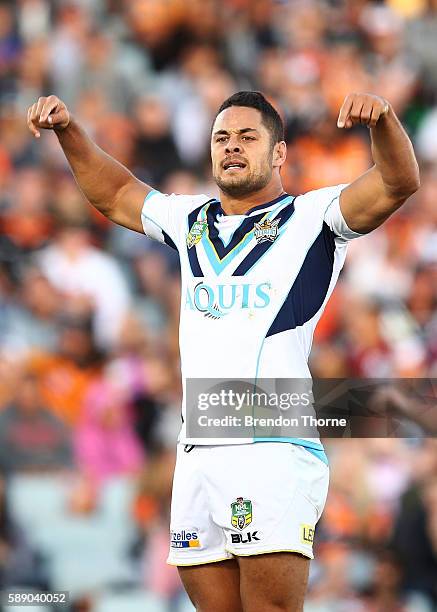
196, 232
267, 231
241, 513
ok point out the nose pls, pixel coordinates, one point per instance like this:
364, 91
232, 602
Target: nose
233, 146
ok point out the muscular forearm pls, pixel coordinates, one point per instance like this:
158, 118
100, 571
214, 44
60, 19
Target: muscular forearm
100, 177
394, 157
106, 184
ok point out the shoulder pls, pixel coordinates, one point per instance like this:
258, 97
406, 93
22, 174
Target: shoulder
176, 200
319, 199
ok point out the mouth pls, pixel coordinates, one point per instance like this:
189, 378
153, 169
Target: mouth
231, 165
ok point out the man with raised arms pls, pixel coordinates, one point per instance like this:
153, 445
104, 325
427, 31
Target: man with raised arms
258, 266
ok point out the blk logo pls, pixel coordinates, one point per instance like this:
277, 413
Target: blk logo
248, 538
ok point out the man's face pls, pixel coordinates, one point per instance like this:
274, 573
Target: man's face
241, 151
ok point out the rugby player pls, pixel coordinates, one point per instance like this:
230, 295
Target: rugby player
258, 267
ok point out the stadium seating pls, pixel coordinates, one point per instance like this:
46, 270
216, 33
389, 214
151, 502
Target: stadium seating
82, 552
132, 601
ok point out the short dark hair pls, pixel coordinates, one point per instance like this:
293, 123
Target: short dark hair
256, 100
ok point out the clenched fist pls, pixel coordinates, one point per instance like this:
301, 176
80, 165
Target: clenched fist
362, 108
47, 114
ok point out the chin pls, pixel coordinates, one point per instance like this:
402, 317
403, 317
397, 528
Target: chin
237, 182
239, 187
236, 189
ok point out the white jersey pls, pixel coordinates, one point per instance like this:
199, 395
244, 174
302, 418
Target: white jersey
253, 286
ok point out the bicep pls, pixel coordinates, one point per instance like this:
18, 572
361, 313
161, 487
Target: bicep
365, 203
129, 203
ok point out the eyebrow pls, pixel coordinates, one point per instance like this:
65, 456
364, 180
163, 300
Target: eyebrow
242, 131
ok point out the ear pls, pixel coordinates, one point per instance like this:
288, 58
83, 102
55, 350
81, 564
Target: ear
279, 154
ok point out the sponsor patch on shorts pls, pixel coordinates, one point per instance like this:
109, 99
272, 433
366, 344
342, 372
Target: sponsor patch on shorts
251, 537
185, 538
307, 534
241, 513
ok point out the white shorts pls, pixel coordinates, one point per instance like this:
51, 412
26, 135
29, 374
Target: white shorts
247, 499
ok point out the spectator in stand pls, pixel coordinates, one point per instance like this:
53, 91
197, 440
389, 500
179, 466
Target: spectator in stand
414, 534
104, 438
151, 513
29, 318
26, 220
155, 149
324, 157
32, 439
66, 374
385, 590
85, 274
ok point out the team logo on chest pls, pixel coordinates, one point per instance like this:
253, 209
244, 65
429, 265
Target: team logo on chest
196, 232
267, 231
241, 513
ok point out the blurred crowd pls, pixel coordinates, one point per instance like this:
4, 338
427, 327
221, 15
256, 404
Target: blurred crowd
89, 365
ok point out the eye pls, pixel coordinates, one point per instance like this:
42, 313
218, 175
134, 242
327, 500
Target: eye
249, 138
220, 139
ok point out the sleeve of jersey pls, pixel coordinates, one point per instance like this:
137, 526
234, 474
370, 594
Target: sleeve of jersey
333, 216
163, 214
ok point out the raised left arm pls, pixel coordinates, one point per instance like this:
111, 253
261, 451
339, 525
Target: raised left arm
379, 192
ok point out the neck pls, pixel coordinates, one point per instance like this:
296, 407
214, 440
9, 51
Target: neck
239, 206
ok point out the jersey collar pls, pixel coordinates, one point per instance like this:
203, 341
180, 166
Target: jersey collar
259, 207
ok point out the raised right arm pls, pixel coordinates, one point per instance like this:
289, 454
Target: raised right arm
105, 183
